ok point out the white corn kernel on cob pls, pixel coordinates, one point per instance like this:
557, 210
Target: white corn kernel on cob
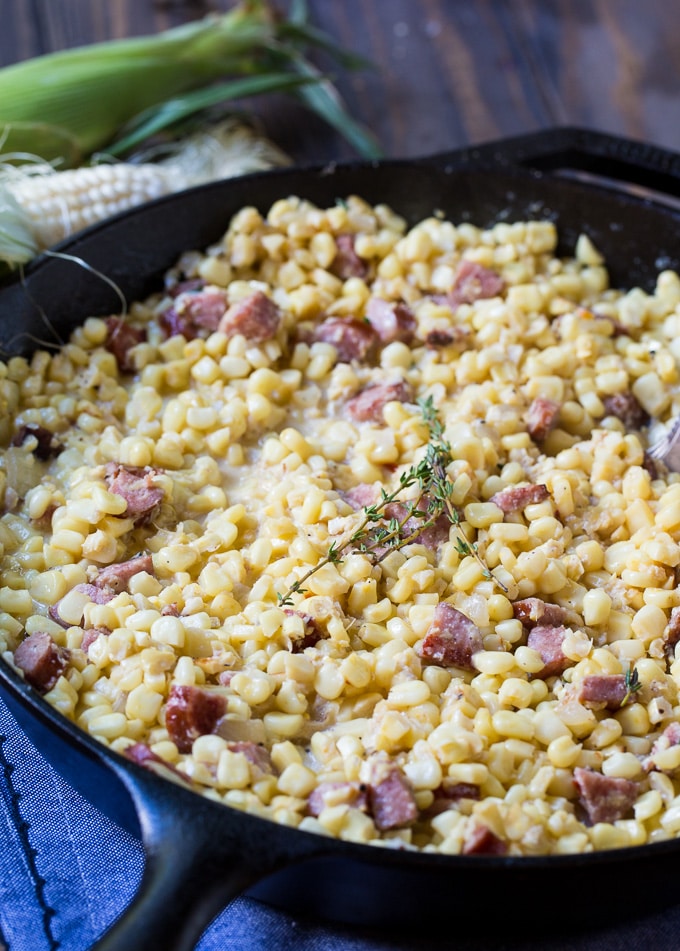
63, 203
39, 206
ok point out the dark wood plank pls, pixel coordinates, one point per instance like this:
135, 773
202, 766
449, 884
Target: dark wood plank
447, 72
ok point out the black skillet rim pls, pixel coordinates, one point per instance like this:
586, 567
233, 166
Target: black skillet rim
39, 708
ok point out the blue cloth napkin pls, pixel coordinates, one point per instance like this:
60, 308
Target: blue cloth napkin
66, 871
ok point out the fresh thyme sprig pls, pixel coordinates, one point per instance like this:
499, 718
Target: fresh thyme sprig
632, 683
435, 491
438, 457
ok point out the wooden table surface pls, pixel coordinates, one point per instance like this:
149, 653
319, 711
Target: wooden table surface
447, 72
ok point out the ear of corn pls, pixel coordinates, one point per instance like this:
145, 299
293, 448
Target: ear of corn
39, 206
17, 241
58, 204
92, 93
182, 107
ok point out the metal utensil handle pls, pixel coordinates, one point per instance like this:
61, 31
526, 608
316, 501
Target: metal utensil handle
597, 153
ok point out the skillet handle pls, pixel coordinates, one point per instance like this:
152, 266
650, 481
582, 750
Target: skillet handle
176, 900
199, 858
570, 149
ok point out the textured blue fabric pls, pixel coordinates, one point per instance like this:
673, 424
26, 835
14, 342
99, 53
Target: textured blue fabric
66, 871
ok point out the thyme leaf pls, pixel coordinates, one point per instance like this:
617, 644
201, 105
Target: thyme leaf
632, 683
435, 493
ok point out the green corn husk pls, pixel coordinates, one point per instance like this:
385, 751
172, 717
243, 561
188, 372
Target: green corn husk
93, 94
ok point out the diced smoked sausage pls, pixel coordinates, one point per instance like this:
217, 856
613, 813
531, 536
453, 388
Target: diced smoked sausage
41, 660
203, 308
431, 536
337, 793
47, 444
191, 712
669, 737
542, 418
515, 498
352, 339
449, 793
256, 317
257, 755
480, 840
603, 690
391, 321
194, 309
368, 404
391, 800
451, 639
625, 406
347, 262
115, 577
312, 634
142, 754
547, 640
136, 486
604, 798
474, 282
436, 339
531, 611
361, 496
120, 339
91, 635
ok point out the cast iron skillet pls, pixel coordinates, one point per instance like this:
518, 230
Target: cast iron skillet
201, 855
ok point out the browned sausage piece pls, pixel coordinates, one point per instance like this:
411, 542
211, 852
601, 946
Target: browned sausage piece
480, 840
603, 690
115, 577
547, 640
474, 282
174, 324
352, 339
542, 418
392, 801
120, 339
136, 486
391, 321
449, 793
91, 635
312, 634
347, 262
361, 496
191, 712
349, 793
437, 339
625, 406
47, 444
203, 308
452, 639
257, 755
95, 594
604, 798
41, 660
515, 498
143, 755
255, 317
532, 610
432, 536
669, 737
369, 403
193, 309
672, 633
